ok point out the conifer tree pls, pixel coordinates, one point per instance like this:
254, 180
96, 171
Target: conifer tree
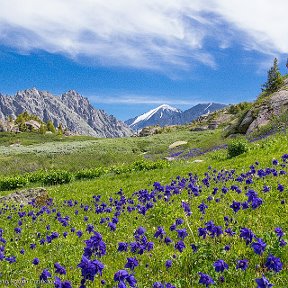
50, 126
60, 129
42, 129
275, 80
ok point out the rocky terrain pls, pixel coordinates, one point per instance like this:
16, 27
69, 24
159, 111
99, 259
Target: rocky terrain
72, 110
267, 113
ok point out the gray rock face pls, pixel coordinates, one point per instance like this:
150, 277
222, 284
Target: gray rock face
246, 122
273, 107
72, 110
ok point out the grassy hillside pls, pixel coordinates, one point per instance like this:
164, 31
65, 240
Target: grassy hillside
117, 205
34, 151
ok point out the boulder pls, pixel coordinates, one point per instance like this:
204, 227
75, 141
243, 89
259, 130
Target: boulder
33, 125
246, 122
39, 195
177, 143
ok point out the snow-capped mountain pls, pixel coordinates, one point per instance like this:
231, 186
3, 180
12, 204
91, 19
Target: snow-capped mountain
161, 116
165, 115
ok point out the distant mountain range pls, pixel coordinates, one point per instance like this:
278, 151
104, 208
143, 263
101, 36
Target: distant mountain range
167, 115
71, 109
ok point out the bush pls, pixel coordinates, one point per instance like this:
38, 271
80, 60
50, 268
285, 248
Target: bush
89, 173
147, 165
237, 147
11, 183
57, 177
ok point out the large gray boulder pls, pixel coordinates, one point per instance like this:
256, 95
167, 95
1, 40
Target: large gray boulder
39, 195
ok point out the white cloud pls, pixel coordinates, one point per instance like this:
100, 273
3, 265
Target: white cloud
145, 34
133, 99
265, 21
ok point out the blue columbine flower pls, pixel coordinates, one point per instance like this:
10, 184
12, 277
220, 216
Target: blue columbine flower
95, 245
242, 264
131, 263
259, 246
247, 235
205, 279
194, 248
122, 246
180, 246
140, 231
202, 207
279, 232
45, 275
90, 268
202, 232
179, 221
59, 284
186, 208
182, 233
220, 265
158, 285
18, 230
256, 202
263, 282
35, 261
251, 194
160, 232
168, 264
273, 263
121, 276
59, 269
280, 187
236, 206
173, 227
168, 240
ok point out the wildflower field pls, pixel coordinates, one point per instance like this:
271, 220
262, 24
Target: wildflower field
217, 223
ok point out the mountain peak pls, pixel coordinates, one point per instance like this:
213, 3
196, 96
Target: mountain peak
72, 110
157, 116
168, 107
165, 115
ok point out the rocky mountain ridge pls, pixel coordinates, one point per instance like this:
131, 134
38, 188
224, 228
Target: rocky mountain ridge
71, 110
166, 115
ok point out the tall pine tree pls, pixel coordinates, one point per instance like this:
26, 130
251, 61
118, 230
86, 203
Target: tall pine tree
275, 80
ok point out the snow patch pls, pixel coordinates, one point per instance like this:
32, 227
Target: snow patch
208, 106
146, 116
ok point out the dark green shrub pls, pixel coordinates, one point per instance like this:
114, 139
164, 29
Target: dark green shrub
36, 177
57, 177
11, 183
89, 173
237, 147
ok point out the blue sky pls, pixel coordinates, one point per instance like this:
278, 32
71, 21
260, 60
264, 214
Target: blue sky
130, 56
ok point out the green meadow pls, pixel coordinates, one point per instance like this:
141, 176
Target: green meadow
151, 206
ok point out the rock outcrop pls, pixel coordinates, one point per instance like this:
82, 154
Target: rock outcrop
71, 110
261, 114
